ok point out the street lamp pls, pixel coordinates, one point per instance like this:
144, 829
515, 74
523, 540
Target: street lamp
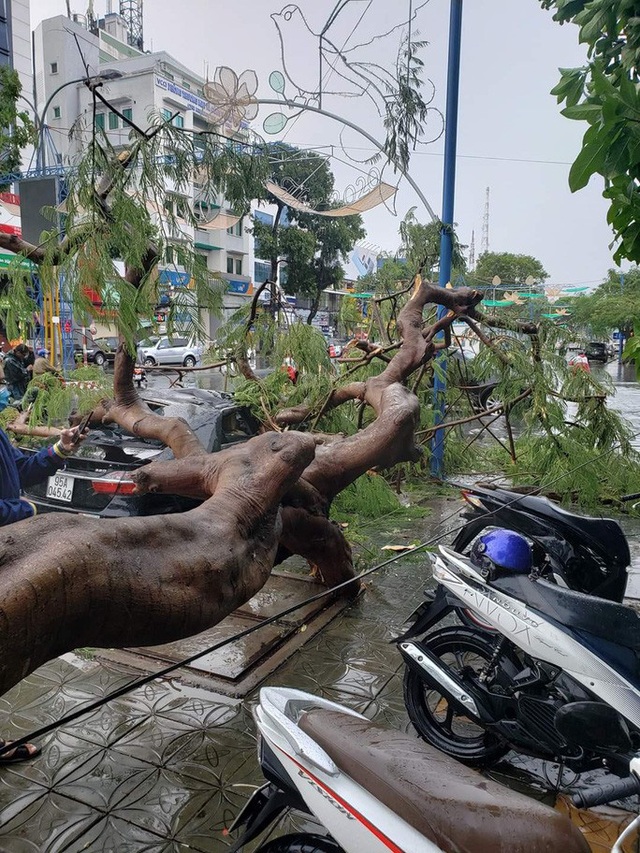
107, 74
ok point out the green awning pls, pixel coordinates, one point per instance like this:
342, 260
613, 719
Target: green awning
207, 246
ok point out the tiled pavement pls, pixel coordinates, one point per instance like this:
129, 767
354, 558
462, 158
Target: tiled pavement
167, 766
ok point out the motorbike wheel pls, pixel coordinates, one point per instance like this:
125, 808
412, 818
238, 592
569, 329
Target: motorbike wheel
301, 843
444, 726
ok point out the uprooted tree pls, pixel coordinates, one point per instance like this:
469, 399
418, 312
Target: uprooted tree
69, 581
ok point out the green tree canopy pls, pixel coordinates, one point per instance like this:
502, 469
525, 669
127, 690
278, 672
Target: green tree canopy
605, 94
615, 304
510, 268
312, 246
16, 128
421, 247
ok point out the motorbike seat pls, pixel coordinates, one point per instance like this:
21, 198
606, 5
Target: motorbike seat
603, 532
456, 808
578, 610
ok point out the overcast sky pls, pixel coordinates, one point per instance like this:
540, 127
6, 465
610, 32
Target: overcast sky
511, 137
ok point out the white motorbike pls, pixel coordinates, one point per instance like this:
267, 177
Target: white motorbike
375, 790
536, 667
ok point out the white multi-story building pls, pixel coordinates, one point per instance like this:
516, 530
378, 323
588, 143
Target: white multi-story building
15, 48
138, 85
15, 40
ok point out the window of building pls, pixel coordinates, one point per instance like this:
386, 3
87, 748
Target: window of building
100, 120
5, 53
186, 84
128, 113
168, 254
54, 67
56, 112
261, 272
229, 264
166, 114
236, 230
4, 41
238, 266
113, 121
178, 121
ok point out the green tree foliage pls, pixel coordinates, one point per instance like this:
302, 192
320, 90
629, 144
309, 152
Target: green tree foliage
111, 212
312, 246
421, 247
16, 128
615, 304
510, 268
605, 94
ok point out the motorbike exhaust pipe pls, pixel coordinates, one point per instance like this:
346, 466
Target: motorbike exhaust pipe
452, 688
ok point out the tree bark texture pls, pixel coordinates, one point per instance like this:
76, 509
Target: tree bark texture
69, 581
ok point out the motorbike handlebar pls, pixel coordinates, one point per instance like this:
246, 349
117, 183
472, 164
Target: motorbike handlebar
598, 795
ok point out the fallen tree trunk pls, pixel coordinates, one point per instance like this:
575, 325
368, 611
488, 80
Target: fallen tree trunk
67, 581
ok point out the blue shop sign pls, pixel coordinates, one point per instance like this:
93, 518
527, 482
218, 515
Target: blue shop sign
236, 286
174, 278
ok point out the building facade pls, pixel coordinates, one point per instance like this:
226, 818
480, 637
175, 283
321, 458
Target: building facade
140, 85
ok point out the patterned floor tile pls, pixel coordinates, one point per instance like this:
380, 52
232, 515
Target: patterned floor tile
105, 780
62, 754
174, 806
113, 835
16, 794
52, 822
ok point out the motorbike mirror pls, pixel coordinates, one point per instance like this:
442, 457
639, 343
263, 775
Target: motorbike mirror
594, 725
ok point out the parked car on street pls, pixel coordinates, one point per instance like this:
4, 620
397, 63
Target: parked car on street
176, 350
596, 351
88, 485
99, 351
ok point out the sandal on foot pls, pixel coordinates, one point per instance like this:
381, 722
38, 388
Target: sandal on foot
22, 752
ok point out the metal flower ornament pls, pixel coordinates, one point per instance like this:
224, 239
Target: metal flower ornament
340, 58
233, 96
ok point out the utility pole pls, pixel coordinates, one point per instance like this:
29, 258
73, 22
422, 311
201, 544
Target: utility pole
446, 234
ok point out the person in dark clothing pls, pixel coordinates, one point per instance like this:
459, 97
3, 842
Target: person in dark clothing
17, 373
18, 469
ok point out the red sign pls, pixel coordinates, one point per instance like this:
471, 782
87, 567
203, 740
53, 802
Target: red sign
10, 198
11, 229
67, 327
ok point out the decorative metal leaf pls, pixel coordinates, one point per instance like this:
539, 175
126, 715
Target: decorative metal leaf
275, 122
277, 82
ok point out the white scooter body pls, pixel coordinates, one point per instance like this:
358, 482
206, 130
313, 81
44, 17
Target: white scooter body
340, 804
529, 631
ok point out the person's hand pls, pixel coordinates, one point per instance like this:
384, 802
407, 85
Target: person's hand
70, 439
30, 367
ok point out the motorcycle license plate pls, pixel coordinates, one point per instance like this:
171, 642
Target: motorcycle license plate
60, 488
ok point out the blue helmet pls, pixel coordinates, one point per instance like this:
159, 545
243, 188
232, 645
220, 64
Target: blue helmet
501, 552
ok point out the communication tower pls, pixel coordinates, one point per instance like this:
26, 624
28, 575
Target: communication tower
484, 244
131, 11
472, 251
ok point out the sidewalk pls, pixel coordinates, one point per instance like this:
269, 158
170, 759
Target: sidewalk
169, 765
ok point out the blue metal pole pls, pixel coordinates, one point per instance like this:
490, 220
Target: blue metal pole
620, 334
448, 196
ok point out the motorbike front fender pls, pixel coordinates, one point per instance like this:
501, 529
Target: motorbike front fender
263, 808
430, 612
